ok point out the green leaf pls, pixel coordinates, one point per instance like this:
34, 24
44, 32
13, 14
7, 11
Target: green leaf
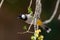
30, 10
25, 27
32, 37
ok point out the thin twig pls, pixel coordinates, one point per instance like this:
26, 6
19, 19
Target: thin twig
24, 32
30, 4
1, 3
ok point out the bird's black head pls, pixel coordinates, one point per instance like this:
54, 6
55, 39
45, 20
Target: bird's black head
23, 17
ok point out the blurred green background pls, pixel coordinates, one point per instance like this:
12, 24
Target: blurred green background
10, 25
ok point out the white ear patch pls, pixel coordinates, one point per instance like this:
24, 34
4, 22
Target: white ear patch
23, 16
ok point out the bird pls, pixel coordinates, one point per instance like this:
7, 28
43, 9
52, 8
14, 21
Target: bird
28, 19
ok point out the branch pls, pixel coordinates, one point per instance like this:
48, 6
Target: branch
30, 4
38, 8
1, 3
54, 13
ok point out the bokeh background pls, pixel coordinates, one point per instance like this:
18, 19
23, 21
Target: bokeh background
10, 25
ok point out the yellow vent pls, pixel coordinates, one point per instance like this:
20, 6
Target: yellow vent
39, 22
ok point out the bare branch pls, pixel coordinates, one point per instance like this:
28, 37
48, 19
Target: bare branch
1, 3
54, 13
